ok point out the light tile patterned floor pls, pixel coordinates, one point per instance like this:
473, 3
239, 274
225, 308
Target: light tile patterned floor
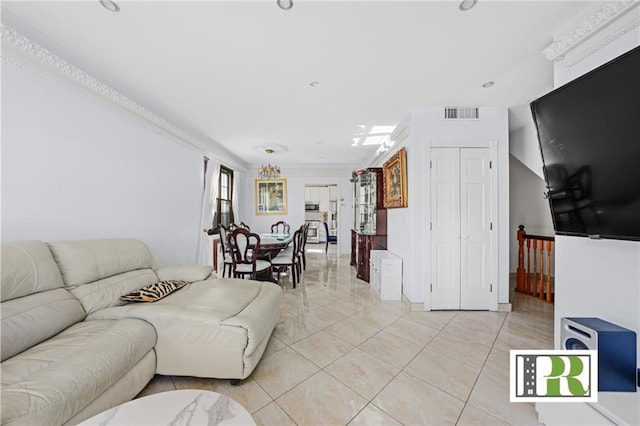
341, 356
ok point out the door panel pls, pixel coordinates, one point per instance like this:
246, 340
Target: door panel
461, 228
445, 229
445, 266
446, 195
475, 242
475, 266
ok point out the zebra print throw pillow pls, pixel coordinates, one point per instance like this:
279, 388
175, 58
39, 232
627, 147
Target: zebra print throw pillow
154, 292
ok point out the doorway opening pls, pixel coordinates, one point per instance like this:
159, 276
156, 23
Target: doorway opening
320, 207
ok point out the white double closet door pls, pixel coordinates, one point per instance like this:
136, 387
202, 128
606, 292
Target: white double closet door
461, 227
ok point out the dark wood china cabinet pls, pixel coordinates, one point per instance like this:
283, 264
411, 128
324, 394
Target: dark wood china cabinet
369, 219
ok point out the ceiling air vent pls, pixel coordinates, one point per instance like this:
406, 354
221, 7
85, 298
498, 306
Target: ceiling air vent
461, 113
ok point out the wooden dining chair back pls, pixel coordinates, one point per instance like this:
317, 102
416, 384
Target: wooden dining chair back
244, 226
280, 227
242, 245
289, 259
303, 246
227, 262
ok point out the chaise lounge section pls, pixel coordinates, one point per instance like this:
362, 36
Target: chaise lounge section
72, 348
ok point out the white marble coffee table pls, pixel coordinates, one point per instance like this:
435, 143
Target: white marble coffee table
181, 407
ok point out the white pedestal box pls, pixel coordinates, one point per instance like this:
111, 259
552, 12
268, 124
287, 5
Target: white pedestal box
386, 274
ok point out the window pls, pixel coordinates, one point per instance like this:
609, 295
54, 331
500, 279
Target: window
224, 211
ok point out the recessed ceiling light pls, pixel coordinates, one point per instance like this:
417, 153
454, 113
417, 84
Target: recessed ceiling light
314, 84
285, 4
488, 84
467, 4
110, 5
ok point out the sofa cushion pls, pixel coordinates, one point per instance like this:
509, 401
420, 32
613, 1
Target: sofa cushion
154, 292
34, 304
106, 293
86, 261
32, 319
191, 273
51, 382
27, 268
209, 328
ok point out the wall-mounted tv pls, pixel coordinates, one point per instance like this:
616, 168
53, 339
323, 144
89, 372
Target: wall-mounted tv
589, 135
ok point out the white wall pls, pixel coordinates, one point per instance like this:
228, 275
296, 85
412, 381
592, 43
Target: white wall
599, 278
407, 227
528, 206
74, 167
523, 145
296, 181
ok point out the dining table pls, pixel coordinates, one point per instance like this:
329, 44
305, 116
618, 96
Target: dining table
272, 244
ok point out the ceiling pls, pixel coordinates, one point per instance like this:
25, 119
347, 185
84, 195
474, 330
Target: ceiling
237, 74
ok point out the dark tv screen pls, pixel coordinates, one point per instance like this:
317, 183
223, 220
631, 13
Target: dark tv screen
589, 135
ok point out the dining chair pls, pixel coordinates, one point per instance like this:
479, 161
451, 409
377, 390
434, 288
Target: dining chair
303, 246
227, 262
244, 226
243, 244
280, 227
289, 249
330, 238
289, 259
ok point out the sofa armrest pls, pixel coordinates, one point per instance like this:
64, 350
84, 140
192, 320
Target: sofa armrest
191, 273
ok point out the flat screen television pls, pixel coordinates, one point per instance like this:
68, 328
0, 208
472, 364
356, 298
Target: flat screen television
589, 136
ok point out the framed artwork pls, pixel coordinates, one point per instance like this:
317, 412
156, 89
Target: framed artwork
271, 196
395, 180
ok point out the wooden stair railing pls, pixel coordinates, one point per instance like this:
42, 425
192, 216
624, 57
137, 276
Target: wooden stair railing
535, 282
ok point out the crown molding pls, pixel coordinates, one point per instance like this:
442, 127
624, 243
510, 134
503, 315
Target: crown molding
572, 46
30, 49
27, 48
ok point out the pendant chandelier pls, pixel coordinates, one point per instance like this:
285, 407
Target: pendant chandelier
269, 172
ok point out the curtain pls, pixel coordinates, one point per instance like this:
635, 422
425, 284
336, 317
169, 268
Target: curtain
234, 198
215, 187
211, 172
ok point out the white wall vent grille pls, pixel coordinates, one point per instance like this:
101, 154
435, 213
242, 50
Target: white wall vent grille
461, 113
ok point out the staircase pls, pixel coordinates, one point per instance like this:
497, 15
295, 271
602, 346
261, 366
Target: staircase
533, 276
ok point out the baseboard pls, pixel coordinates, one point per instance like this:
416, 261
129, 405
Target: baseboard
502, 307
417, 307
505, 307
414, 306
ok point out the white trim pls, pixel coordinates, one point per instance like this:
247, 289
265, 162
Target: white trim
495, 241
505, 307
592, 26
464, 144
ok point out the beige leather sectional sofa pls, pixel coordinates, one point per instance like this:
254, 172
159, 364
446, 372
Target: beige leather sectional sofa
71, 348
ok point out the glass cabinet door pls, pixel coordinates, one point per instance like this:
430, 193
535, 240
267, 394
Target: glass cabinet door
365, 203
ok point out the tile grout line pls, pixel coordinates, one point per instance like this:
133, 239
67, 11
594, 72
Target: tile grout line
323, 369
480, 373
399, 372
